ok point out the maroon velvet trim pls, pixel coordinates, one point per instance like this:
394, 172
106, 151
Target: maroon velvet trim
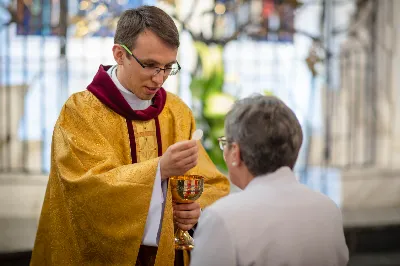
158, 133
105, 90
132, 141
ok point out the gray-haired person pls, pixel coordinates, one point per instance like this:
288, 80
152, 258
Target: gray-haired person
275, 220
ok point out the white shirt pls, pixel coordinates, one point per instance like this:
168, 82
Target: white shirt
274, 221
153, 222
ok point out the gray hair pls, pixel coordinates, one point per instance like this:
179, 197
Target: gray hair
267, 131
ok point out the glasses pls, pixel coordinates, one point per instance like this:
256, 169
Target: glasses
222, 142
152, 70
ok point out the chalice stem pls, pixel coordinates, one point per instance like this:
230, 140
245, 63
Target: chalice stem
183, 240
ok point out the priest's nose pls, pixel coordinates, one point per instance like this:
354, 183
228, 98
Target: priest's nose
158, 78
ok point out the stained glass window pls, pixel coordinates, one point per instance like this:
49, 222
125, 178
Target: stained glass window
86, 17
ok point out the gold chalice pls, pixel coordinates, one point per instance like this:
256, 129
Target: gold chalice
185, 189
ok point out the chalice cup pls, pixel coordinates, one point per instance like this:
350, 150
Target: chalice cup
185, 189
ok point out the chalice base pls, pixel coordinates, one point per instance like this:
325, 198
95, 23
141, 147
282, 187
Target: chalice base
183, 240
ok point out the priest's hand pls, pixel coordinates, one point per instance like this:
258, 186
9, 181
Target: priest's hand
179, 158
186, 215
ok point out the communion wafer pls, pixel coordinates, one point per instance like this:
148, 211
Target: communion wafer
198, 134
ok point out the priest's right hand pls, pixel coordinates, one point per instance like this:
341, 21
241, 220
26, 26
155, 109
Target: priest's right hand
179, 158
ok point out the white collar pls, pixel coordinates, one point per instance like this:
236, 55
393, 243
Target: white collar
134, 102
283, 174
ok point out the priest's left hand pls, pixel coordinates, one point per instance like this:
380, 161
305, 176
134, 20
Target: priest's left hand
186, 215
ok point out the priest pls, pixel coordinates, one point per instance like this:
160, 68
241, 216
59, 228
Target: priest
115, 145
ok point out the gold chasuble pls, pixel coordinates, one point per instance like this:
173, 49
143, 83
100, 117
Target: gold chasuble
103, 166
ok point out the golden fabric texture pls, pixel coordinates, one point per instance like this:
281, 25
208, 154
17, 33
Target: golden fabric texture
146, 140
97, 201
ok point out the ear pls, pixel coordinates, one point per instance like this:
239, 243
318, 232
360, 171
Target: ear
118, 53
235, 153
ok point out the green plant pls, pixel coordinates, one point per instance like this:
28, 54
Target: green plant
211, 103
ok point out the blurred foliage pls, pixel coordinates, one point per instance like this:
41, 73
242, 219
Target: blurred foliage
211, 103
268, 93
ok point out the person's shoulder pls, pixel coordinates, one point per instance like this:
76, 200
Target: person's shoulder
81, 105
227, 206
82, 99
174, 102
227, 211
86, 103
320, 199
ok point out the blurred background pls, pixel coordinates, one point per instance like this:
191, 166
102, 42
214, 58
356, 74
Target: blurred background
336, 63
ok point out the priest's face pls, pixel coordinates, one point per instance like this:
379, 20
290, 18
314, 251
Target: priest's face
138, 72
